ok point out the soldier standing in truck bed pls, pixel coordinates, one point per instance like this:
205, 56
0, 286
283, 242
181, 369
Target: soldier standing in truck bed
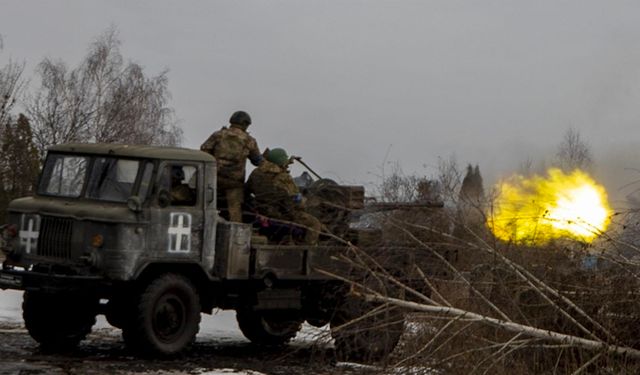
278, 197
232, 146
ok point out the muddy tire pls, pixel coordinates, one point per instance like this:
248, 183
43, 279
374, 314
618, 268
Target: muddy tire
166, 317
365, 338
58, 322
268, 328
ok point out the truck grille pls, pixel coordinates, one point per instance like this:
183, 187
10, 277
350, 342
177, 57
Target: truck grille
55, 237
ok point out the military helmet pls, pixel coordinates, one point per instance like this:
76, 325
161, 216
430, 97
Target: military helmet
240, 118
278, 156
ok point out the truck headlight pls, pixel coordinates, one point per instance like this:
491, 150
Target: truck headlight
8, 232
97, 241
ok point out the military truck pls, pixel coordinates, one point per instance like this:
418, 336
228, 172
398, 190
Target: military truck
107, 233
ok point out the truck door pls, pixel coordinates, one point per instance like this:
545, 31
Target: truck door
179, 215
210, 216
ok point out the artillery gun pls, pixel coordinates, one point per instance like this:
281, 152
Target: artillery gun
104, 234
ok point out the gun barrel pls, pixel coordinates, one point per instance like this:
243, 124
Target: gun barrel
385, 206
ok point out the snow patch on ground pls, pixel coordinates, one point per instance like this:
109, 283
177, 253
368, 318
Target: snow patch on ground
222, 323
220, 326
226, 371
216, 330
10, 306
221, 371
400, 370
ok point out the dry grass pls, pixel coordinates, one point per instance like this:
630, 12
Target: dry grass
560, 287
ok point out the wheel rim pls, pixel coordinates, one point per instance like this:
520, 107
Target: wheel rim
169, 318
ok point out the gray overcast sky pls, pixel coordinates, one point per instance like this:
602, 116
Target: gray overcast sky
344, 83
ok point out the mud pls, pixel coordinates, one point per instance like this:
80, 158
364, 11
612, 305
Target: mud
220, 348
104, 353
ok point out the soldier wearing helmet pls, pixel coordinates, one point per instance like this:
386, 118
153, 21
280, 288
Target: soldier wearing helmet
232, 146
278, 197
180, 192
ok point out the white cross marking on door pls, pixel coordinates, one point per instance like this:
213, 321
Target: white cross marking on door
29, 236
180, 230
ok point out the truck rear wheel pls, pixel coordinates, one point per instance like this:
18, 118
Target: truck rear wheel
167, 317
269, 328
58, 321
365, 332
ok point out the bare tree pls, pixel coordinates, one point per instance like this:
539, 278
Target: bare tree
400, 187
19, 162
573, 152
450, 179
104, 99
520, 310
478, 305
11, 85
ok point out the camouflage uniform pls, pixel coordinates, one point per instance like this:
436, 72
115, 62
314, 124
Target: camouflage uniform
278, 197
182, 195
231, 147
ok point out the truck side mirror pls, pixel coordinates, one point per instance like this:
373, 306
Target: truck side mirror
134, 203
164, 198
210, 195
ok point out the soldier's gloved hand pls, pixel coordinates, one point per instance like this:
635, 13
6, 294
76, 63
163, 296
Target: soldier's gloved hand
262, 220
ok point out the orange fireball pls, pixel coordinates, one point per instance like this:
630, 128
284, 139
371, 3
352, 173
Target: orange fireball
538, 209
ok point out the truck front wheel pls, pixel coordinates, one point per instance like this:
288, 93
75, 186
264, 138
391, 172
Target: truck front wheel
167, 316
270, 328
58, 321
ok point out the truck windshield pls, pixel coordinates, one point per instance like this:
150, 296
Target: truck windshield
109, 178
112, 179
63, 175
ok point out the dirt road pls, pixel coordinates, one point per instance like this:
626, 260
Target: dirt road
219, 345
104, 353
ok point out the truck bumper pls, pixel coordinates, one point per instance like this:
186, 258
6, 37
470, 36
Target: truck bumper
36, 281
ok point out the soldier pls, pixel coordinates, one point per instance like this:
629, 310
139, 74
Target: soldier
231, 147
278, 197
181, 194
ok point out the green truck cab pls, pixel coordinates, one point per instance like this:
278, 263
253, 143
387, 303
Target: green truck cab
134, 233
